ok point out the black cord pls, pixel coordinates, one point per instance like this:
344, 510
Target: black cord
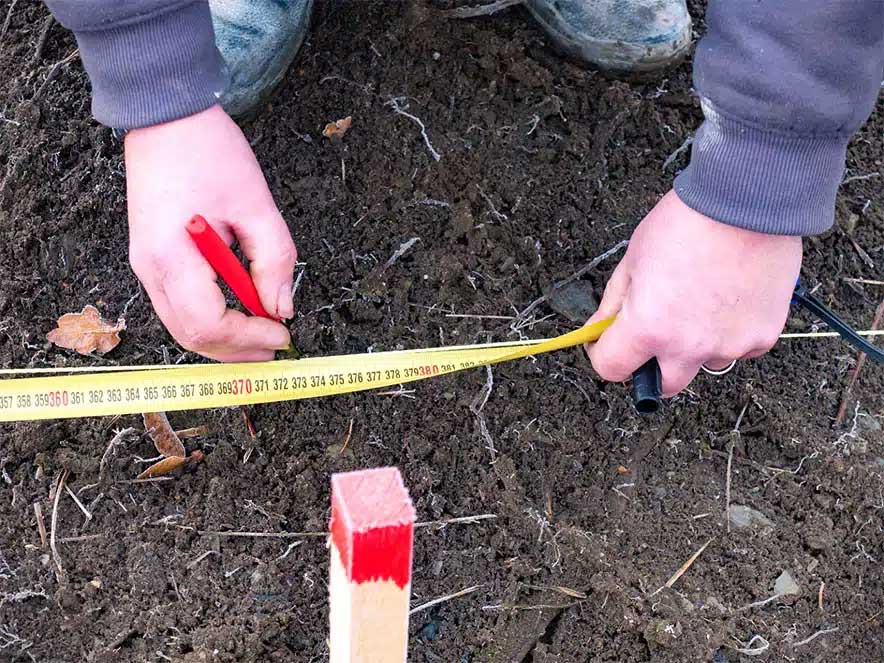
802, 297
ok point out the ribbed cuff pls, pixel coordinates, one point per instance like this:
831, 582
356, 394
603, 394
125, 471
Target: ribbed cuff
157, 69
775, 183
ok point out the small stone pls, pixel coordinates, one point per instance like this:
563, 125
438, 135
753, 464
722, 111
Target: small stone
712, 603
741, 517
429, 631
576, 301
785, 585
95, 583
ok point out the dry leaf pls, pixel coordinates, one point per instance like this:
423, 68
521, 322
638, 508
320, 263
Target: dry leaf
165, 466
87, 332
337, 128
622, 470
163, 435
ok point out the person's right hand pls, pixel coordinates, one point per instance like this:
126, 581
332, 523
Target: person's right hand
202, 164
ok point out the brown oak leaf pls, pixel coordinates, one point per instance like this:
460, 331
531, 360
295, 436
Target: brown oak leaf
87, 332
338, 127
164, 437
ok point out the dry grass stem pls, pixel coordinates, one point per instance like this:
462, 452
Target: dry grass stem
78, 503
41, 524
463, 520
196, 431
347, 439
59, 572
684, 567
814, 636
444, 599
474, 11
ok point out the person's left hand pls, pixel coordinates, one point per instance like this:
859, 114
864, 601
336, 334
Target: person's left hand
691, 291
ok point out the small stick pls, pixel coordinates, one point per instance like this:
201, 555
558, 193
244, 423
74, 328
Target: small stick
8, 19
41, 525
864, 332
684, 567
819, 596
394, 103
258, 535
444, 599
145, 480
759, 604
860, 362
196, 431
479, 10
79, 503
347, 439
54, 526
41, 40
372, 527
463, 520
202, 557
813, 637
253, 433
864, 281
735, 434
83, 537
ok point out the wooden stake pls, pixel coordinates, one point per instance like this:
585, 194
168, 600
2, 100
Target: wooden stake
372, 528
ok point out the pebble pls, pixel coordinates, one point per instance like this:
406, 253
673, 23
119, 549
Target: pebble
576, 301
785, 585
741, 516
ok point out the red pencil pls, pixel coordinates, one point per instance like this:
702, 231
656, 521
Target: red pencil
226, 265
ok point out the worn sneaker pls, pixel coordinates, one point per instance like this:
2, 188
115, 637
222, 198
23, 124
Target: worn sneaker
258, 40
618, 35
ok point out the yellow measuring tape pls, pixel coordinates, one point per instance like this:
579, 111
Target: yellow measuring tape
96, 392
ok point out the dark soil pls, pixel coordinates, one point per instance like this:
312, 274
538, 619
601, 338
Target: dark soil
544, 165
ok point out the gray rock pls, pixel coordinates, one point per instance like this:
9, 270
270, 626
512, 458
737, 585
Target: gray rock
576, 301
785, 585
742, 517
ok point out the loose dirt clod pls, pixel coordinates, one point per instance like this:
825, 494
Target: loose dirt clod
338, 128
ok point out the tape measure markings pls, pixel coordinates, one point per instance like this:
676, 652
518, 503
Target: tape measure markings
132, 390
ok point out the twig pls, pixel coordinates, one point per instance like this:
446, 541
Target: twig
683, 568
813, 637
859, 178
79, 503
196, 431
864, 281
476, 407
54, 526
48, 22
258, 535
480, 317
404, 248
82, 537
592, 264
347, 439
819, 596
749, 650
681, 148
253, 433
394, 103
759, 604
118, 438
479, 10
860, 362
735, 434
70, 57
202, 557
443, 599
41, 525
463, 520
8, 19
145, 480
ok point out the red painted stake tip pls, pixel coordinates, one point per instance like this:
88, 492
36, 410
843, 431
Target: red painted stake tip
226, 265
372, 525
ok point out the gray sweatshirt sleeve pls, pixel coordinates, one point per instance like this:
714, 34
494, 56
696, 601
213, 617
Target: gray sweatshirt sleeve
149, 61
783, 85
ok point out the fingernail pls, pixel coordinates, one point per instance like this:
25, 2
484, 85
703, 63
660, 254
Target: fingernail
285, 307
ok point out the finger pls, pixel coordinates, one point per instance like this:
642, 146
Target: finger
612, 299
268, 245
204, 324
677, 374
619, 351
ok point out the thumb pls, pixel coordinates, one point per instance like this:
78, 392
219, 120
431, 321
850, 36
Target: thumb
267, 243
614, 295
